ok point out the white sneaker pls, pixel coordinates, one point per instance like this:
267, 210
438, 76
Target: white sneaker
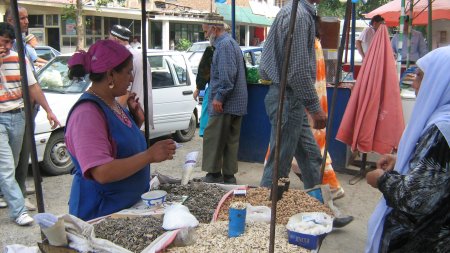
3, 203
29, 205
24, 219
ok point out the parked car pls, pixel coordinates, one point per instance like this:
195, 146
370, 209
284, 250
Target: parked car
46, 52
174, 107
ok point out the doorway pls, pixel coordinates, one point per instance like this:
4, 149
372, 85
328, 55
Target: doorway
53, 38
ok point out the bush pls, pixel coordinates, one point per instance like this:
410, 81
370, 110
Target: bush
183, 45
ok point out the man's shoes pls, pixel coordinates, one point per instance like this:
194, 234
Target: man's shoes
337, 193
24, 219
29, 205
3, 203
213, 178
342, 221
30, 190
229, 179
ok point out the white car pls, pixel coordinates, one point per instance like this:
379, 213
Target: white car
174, 108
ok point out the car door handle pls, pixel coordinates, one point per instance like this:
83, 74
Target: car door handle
188, 92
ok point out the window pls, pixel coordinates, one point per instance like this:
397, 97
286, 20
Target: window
93, 25
52, 20
54, 78
180, 69
36, 21
93, 29
161, 73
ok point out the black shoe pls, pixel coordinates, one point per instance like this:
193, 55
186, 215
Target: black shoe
229, 179
213, 178
342, 221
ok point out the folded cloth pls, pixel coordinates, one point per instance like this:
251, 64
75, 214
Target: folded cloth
82, 238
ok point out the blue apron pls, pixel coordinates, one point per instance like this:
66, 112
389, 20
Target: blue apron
90, 199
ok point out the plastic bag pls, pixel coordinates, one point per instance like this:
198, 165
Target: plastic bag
185, 237
178, 216
189, 164
258, 214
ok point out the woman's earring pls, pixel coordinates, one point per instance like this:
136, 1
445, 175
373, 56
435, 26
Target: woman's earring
111, 85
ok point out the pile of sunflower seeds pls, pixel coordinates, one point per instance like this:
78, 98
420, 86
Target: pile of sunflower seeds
294, 201
134, 234
213, 237
203, 198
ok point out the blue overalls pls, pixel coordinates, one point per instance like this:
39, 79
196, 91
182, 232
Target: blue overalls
90, 199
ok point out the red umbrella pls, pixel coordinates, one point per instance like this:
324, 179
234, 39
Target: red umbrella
391, 11
373, 119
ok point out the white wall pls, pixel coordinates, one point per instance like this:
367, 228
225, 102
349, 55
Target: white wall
438, 27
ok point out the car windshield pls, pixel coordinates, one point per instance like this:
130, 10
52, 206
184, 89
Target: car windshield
44, 53
198, 47
54, 78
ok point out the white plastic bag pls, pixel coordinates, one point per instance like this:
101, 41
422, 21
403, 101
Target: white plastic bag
178, 216
257, 214
189, 164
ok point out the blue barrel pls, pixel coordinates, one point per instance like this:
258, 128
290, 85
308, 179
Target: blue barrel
337, 149
236, 224
255, 128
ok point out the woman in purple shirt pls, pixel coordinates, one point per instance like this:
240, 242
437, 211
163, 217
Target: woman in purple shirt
109, 151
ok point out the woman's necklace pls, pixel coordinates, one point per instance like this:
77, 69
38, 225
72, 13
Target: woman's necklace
117, 109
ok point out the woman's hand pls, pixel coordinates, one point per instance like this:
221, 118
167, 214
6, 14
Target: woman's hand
162, 150
135, 109
373, 176
387, 162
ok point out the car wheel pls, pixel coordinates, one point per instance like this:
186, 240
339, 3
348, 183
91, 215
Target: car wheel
57, 160
187, 134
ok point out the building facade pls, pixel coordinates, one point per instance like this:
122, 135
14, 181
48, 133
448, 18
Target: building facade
168, 21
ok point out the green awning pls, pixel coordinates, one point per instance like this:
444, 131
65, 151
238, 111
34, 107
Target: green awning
243, 15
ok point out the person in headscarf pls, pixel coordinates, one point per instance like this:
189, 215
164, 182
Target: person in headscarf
103, 138
414, 213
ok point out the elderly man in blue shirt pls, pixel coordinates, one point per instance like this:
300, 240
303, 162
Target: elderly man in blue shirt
227, 104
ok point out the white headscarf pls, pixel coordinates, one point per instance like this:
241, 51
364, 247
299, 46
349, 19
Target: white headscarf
432, 107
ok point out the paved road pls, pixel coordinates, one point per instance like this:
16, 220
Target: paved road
359, 201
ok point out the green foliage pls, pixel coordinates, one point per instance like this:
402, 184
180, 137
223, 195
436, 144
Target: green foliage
331, 8
69, 12
334, 8
183, 45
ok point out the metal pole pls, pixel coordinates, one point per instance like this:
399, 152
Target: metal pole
410, 23
337, 79
430, 26
233, 19
28, 110
144, 72
283, 83
400, 39
352, 44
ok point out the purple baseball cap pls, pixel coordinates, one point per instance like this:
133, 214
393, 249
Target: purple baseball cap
104, 55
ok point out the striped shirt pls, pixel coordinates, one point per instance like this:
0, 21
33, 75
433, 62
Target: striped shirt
10, 85
302, 64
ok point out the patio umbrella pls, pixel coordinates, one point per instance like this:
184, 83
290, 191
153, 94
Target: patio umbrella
373, 119
391, 11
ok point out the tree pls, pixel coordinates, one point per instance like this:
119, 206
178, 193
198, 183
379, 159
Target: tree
75, 12
335, 8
